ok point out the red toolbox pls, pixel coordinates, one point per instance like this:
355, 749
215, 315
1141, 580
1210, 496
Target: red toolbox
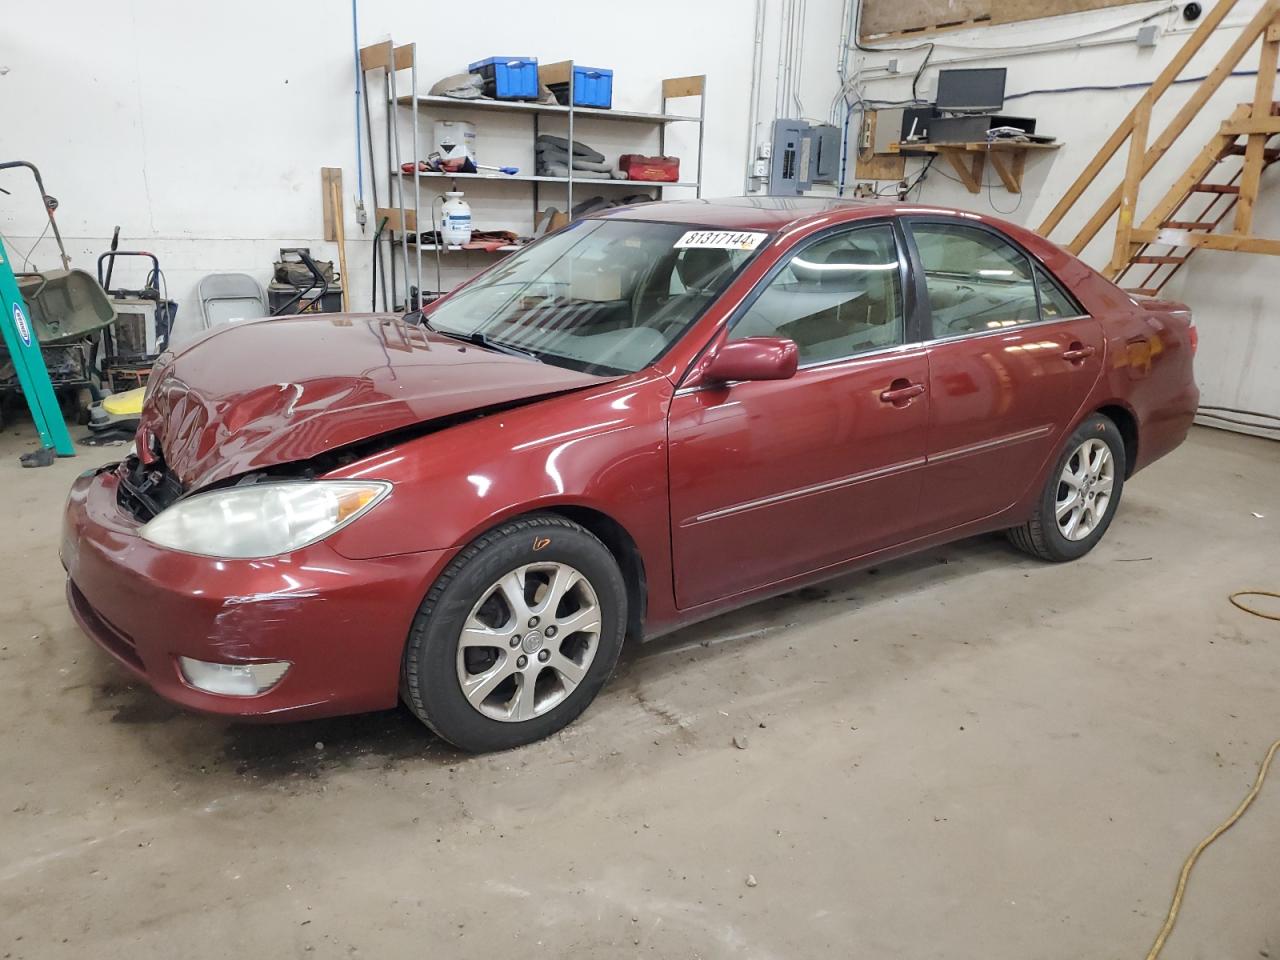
661, 169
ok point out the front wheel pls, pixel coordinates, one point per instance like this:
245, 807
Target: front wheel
517, 636
1080, 496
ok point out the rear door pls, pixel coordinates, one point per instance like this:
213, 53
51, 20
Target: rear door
773, 479
1012, 358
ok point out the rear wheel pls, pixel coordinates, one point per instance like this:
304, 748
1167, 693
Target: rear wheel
1080, 496
517, 636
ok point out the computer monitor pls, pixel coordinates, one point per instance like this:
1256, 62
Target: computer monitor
971, 91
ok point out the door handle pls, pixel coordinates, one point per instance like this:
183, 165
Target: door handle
1078, 353
901, 392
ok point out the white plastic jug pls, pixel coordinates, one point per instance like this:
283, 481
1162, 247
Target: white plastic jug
455, 219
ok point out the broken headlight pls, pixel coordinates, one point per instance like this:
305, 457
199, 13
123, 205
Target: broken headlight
263, 519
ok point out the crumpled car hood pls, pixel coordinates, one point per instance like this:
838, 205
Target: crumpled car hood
259, 394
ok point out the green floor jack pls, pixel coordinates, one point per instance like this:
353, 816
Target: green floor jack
24, 347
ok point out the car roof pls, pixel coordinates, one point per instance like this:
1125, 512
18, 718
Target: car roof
762, 213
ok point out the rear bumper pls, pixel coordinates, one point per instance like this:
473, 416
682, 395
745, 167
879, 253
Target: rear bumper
1166, 425
340, 623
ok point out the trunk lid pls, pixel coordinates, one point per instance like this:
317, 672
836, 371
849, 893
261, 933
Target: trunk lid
274, 391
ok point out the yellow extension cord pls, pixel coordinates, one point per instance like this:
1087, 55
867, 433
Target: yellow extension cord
1195, 854
1227, 824
1248, 609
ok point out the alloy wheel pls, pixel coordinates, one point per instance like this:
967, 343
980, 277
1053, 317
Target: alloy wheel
528, 641
1084, 489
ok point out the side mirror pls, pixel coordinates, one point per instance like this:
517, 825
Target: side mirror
753, 358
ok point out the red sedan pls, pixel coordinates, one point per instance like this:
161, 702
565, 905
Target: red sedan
652, 416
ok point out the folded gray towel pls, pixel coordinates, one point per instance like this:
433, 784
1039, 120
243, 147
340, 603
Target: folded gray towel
561, 170
554, 156
463, 86
579, 149
549, 153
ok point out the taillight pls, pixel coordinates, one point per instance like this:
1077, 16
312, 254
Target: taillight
1195, 339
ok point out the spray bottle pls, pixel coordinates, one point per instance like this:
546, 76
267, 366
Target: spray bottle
455, 220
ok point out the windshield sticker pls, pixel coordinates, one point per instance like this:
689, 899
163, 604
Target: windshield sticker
720, 240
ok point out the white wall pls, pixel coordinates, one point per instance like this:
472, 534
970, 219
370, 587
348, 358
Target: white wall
1230, 294
201, 128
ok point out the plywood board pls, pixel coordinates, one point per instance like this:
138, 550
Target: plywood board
328, 177
675, 87
392, 215
880, 166
897, 18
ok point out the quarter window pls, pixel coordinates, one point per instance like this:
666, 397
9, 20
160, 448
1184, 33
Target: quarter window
976, 281
1054, 303
836, 297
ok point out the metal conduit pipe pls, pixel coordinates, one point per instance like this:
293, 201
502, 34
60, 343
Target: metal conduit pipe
753, 114
779, 83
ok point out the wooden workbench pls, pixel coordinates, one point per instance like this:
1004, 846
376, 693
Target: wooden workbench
1008, 158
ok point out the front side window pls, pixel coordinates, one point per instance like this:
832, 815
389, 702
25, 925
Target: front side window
837, 297
976, 281
602, 296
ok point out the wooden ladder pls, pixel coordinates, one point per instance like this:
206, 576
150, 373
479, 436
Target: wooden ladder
1171, 224
1174, 227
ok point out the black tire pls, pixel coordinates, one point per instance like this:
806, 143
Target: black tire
431, 685
1040, 536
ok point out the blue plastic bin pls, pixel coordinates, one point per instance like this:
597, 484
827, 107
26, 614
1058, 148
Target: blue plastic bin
592, 87
508, 78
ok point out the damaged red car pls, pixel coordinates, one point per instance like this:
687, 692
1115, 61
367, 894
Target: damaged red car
656, 414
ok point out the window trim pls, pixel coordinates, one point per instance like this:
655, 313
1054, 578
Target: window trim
912, 331
922, 293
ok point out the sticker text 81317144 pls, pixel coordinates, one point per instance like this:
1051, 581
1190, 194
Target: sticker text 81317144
720, 240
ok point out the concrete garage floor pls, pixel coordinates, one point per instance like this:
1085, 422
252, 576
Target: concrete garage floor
964, 754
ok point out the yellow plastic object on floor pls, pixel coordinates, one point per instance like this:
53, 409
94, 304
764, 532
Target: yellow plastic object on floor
127, 403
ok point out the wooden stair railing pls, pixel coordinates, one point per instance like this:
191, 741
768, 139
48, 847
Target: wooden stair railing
1167, 225
1163, 223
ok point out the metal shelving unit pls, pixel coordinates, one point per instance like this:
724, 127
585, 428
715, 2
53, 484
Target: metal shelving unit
405, 211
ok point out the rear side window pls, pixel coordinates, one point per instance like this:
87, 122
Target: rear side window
976, 281
836, 297
1054, 302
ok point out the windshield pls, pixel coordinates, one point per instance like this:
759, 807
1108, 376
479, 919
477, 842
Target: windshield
601, 296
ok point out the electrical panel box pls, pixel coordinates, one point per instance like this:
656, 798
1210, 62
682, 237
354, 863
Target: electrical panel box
789, 166
825, 153
802, 154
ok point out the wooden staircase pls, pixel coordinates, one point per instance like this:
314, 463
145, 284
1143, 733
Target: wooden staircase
1215, 201
1223, 178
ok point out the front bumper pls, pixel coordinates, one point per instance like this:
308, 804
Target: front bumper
340, 623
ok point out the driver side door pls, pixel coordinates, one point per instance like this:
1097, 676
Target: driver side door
771, 480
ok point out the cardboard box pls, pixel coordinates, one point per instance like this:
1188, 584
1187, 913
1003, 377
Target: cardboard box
595, 285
